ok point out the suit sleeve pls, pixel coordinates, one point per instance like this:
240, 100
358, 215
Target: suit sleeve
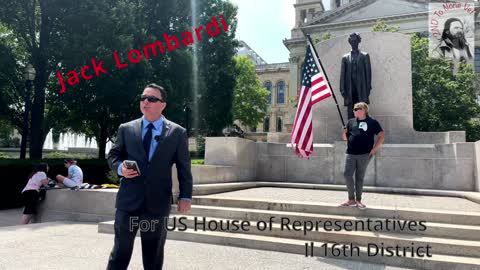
183, 163
116, 155
368, 73
342, 77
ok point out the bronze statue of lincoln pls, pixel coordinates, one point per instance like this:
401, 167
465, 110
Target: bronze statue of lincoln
355, 76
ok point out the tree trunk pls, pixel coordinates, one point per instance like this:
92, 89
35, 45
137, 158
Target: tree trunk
102, 141
40, 62
37, 135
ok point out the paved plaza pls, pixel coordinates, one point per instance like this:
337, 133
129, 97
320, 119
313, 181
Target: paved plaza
69, 245
64, 245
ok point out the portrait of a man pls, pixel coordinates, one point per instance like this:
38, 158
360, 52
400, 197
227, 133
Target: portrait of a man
453, 43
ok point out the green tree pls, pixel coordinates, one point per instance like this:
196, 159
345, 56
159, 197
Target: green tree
473, 130
98, 106
217, 72
11, 81
442, 101
250, 97
57, 35
6, 132
64, 35
381, 26
34, 25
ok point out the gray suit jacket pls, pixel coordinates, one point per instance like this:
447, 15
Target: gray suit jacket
154, 185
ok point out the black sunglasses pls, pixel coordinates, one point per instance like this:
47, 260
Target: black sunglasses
357, 109
151, 99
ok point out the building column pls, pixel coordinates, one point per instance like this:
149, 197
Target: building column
273, 122
294, 78
291, 93
274, 95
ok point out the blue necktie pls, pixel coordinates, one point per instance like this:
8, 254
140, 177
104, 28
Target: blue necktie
147, 140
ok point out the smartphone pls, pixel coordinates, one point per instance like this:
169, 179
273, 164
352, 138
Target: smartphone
131, 164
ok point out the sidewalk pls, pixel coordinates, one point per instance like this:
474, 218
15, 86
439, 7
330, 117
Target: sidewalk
10, 217
63, 245
67, 245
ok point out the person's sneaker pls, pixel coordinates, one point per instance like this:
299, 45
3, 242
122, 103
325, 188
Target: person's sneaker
349, 204
361, 205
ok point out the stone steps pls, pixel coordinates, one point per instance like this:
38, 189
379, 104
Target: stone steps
261, 242
360, 238
430, 215
453, 236
457, 231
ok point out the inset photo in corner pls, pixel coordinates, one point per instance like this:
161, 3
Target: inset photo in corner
452, 31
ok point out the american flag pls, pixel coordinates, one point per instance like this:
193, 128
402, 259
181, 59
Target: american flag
314, 88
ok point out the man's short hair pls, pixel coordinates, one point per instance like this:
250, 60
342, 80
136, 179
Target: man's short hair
162, 91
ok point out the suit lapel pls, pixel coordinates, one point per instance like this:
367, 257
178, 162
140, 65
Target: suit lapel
138, 136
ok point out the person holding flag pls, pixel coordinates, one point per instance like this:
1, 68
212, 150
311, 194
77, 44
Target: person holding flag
359, 132
360, 136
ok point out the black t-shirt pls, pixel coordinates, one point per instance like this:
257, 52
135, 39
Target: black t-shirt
361, 135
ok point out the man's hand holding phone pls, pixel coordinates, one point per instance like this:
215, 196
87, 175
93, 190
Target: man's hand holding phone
130, 169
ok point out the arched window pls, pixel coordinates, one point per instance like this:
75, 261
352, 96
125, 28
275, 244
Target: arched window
266, 124
281, 92
268, 86
279, 124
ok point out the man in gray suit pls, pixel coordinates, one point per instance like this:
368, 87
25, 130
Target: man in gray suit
144, 199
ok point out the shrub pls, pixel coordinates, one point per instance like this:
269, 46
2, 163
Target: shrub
112, 177
58, 155
15, 176
198, 161
200, 140
473, 130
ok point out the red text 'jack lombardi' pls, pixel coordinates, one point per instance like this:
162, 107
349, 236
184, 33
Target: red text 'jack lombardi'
148, 51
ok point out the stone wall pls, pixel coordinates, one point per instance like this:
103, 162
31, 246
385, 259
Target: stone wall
92, 205
427, 166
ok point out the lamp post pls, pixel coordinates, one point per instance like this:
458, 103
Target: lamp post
29, 76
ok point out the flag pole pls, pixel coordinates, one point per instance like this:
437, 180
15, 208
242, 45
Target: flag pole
309, 39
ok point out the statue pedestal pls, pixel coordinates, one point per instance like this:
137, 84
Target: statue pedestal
391, 94
279, 137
